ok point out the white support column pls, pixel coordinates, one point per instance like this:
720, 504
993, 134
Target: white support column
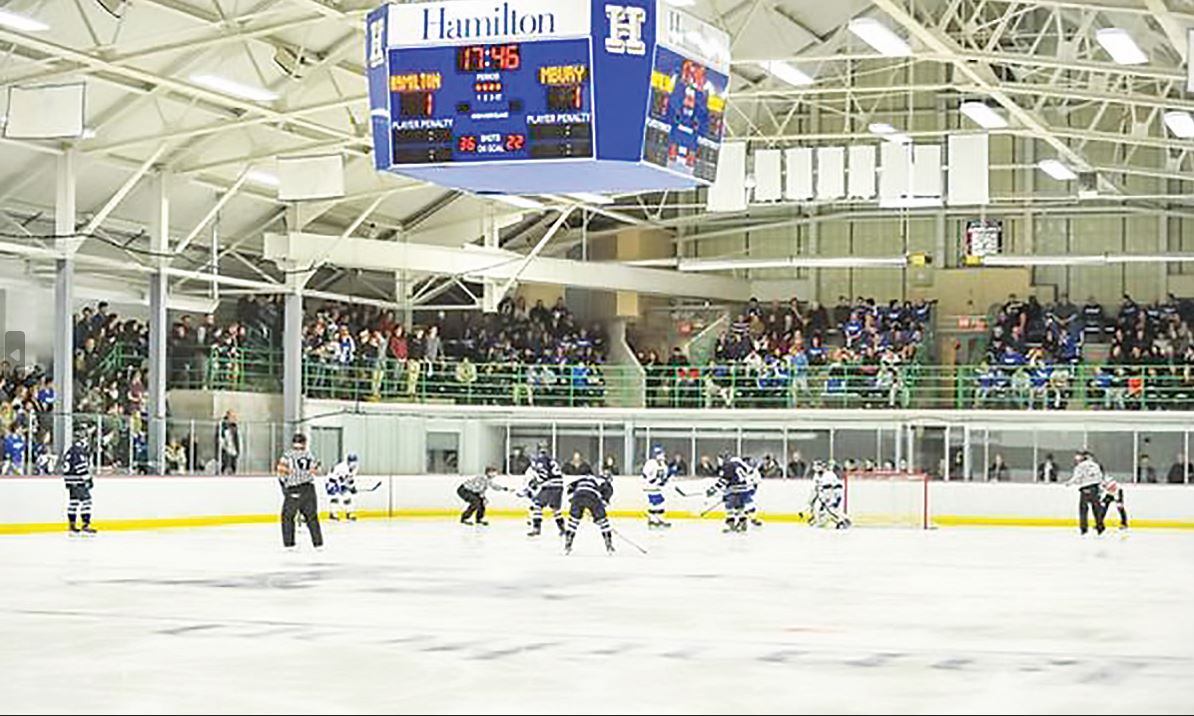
292, 356
159, 243
64, 279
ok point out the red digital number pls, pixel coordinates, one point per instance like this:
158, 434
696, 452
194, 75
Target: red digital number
578, 97
515, 142
513, 61
467, 143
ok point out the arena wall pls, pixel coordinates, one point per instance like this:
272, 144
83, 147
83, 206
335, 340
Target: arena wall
37, 504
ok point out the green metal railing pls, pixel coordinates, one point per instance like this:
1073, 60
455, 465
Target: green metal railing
914, 385
462, 383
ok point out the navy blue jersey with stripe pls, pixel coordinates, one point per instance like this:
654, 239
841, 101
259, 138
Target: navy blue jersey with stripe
76, 464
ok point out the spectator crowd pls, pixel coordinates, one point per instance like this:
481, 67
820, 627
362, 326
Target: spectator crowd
801, 355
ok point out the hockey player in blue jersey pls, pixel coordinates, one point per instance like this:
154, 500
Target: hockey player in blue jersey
545, 487
590, 492
76, 469
655, 477
733, 484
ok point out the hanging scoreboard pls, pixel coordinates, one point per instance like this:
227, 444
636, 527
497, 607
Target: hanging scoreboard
547, 96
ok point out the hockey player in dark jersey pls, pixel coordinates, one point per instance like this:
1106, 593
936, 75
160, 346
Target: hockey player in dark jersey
76, 469
734, 486
545, 487
587, 491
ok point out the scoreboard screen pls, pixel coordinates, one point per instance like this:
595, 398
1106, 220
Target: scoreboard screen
546, 96
484, 102
685, 115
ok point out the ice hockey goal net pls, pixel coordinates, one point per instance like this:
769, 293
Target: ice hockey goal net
887, 498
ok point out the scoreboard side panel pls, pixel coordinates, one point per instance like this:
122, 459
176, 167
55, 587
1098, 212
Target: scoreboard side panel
624, 35
377, 64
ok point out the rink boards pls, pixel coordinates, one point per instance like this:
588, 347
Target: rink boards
37, 504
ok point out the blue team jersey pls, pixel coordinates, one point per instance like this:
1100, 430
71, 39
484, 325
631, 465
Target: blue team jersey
14, 448
76, 464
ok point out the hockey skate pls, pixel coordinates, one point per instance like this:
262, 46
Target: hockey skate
88, 530
535, 532
72, 531
568, 538
609, 544
482, 523
465, 521
351, 517
333, 517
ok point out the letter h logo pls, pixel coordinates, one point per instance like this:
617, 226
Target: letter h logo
377, 51
625, 30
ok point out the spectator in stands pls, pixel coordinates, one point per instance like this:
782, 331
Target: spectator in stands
1179, 471
518, 462
797, 467
609, 466
1145, 472
175, 457
999, 471
1047, 471
706, 468
769, 468
678, 466
228, 443
15, 447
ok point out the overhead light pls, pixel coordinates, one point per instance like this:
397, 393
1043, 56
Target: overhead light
706, 265
888, 132
258, 176
234, 88
982, 115
88, 133
591, 198
787, 73
1120, 45
912, 202
520, 201
24, 23
880, 37
1180, 123
681, 3
1057, 170
1006, 260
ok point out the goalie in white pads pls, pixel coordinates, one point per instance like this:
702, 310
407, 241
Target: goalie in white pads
656, 475
589, 492
825, 502
341, 485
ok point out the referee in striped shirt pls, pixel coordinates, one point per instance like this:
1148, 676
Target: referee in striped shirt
296, 473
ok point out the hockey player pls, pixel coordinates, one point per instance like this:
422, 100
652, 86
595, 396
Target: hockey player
825, 502
545, 487
341, 485
76, 469
296, 474
1088, 477
751, 510
473, 491
1112, 494
590, 492
655, 477
734, 487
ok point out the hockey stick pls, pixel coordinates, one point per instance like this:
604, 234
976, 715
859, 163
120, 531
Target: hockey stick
372, 489
685, 494
625, 539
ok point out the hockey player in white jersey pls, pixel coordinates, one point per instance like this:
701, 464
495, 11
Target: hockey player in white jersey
655, 477
825, 502
341, 485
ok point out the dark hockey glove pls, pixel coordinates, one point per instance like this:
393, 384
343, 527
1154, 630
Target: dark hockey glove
711, 492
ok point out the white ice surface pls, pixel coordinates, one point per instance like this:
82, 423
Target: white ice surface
404, 617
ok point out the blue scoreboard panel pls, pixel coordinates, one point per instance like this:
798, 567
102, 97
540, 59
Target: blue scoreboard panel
478, 103
547, 96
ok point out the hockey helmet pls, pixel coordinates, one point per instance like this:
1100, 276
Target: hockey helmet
658, 451
299, 440
352, 458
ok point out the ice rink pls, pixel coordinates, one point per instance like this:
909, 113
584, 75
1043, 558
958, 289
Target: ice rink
430, 616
